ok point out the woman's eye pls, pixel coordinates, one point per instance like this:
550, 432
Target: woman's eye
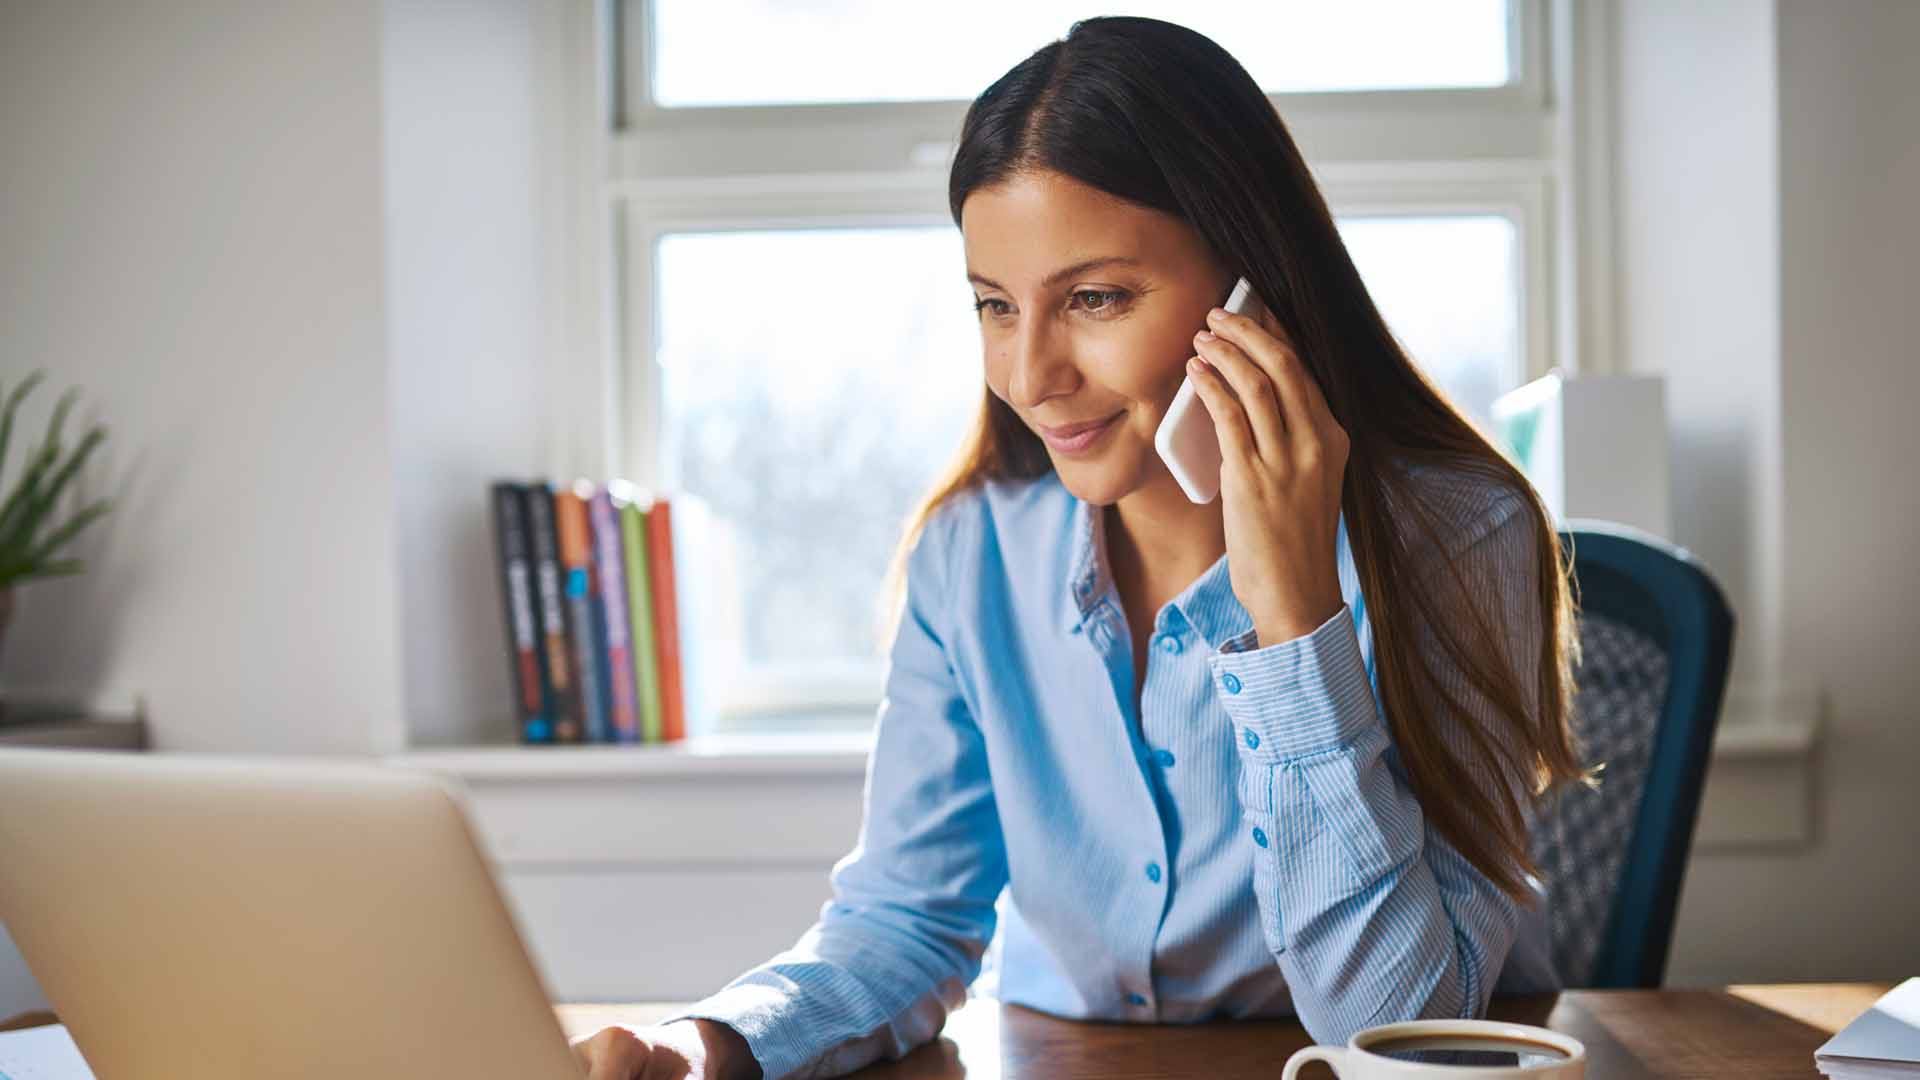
1099, 302
1107, 300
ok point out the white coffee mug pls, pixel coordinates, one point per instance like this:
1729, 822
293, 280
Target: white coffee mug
1539, 1054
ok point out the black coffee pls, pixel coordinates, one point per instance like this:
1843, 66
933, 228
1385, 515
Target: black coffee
1479, 1050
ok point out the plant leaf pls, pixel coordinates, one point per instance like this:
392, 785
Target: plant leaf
57, 569
13, 572
93, 438
20, 502
44, 499
13, 403
49, 452
51, 445
69, 530
27, 508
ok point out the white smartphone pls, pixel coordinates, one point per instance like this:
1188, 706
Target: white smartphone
1185, 438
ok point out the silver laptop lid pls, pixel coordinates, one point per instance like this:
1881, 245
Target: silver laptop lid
226, 917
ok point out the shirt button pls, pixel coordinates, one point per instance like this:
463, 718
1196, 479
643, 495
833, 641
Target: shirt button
1136, 999
1232, 682
1153, 872
1169, 643
1252, 739
1163, 758
1259, 837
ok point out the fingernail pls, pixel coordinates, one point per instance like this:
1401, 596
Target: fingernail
1196, 365
1204, 335
1217, 314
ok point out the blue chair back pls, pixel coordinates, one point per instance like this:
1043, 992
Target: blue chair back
1655, 636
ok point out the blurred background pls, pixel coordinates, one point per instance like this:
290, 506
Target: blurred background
325, 270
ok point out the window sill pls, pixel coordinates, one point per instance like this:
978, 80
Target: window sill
775, 755
808, 753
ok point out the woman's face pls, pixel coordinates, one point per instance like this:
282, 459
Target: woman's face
1068, 343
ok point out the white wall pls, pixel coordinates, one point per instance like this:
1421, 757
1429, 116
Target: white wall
301, 259
1850, 378
1697, 281
191, 230
1767, 159
474, 123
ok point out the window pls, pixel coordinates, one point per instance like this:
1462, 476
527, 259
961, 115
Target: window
701, 57
806, 407
803, 423
1449, 290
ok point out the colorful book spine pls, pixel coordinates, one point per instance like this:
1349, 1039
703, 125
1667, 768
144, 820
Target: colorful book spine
513, 550
631, 503
610, 566
563, 691
666, 620
589, 658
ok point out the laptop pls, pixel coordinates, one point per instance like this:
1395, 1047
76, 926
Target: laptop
227, 917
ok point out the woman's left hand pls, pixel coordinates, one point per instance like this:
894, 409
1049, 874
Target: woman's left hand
1282, 460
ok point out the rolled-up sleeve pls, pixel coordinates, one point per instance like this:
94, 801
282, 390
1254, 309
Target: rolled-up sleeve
912, 912
1372, 915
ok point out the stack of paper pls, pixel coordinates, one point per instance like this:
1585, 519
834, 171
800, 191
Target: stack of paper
1883, 1044
41, 1053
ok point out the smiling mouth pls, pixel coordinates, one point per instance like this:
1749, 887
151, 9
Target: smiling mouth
1068, 431
1083, 437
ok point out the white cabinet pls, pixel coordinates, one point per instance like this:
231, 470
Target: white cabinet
659, 873
1594, 445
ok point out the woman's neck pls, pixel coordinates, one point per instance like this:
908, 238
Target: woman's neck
1158, 540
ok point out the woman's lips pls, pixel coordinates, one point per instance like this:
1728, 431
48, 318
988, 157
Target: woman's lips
1083, 436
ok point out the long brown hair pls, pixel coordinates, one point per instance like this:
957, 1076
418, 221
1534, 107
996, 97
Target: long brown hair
1162, 116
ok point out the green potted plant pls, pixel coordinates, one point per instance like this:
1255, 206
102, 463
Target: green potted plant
32, 532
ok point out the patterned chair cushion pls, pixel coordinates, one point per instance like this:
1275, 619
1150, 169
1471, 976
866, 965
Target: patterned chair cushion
1581, 837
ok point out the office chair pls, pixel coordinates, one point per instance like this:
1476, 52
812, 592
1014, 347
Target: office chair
1656, 636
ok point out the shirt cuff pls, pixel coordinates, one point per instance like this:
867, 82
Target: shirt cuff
758, 1013
1294, 698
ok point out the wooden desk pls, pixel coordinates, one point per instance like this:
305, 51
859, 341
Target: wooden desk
1743, 1031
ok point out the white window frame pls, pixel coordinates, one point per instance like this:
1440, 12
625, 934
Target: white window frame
1532, 151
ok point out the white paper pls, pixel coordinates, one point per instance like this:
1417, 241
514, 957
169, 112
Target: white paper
1887, 1033
41, 1053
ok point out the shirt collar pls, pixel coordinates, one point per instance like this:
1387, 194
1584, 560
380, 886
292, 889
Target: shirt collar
1207, 603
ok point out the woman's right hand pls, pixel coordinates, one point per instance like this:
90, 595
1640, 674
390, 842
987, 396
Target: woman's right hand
681, 1050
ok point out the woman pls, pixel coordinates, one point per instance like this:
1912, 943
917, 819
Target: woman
1271, 755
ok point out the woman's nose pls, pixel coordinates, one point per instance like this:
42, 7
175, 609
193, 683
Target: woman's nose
1040, 366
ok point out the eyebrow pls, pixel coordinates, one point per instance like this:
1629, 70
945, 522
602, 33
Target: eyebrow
1064, 272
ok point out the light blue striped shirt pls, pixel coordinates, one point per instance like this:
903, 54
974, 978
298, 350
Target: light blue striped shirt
1242, 843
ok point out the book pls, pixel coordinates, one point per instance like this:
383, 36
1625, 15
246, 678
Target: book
556, 645
1882, 1043
609, 559
575, 537
512, 548
666, 620
632, 504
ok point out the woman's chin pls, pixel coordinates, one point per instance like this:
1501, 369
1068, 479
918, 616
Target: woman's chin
1100, 479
